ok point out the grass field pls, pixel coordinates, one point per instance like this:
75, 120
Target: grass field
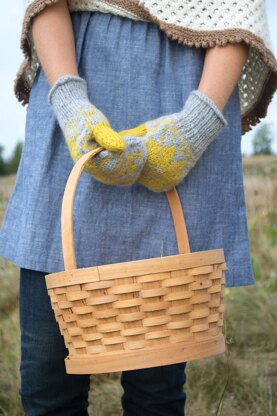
242, 382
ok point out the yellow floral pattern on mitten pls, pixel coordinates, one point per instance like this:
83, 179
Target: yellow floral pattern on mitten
169, 155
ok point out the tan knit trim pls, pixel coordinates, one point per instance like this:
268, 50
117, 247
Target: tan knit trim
189, 37
22, 85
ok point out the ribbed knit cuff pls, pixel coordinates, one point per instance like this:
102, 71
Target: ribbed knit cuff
68, 92
201, 121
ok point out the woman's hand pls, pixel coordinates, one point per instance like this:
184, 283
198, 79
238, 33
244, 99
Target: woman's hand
124, 157
176, 142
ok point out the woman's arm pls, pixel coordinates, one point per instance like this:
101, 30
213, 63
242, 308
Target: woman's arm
54, 41
221, 72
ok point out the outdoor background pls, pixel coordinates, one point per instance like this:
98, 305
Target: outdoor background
242, 382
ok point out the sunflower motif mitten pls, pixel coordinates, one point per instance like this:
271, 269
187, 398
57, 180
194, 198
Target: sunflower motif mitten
125, 153
175, 142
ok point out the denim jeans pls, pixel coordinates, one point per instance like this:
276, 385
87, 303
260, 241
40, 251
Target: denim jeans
46, 388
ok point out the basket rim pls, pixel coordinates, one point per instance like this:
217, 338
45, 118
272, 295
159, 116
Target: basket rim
146, 357
134, 268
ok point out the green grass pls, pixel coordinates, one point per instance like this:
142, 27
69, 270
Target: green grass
241, 382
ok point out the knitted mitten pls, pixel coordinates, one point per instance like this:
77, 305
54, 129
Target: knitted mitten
176, 142
124, 156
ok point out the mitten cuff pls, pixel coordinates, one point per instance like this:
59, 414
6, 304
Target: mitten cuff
201, 121
68, 92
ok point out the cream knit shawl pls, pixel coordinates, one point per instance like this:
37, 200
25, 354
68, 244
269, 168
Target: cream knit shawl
196, 23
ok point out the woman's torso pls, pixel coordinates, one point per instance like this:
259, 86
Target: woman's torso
134, 73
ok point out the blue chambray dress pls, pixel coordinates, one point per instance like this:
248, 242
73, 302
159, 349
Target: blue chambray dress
134, 73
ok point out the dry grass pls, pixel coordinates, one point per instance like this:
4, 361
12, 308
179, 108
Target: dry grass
242, 382
6, 185
261, 165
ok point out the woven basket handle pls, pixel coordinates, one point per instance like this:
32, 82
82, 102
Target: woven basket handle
67, 211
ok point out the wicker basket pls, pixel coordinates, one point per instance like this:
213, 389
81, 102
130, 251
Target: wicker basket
142, 313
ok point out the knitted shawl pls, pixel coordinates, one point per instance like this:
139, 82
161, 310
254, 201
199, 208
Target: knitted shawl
196, 23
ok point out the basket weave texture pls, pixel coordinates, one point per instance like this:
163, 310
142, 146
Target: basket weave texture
141, 313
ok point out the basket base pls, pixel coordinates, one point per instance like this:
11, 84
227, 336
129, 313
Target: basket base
145, 358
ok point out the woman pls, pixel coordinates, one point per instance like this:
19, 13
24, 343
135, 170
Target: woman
105, 67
